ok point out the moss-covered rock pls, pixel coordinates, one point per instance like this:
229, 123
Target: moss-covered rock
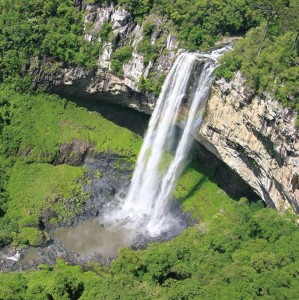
30, 236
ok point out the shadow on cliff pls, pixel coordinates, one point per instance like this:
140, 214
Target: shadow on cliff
219, 173
131, 119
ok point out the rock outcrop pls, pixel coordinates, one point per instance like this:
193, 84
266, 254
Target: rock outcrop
255, 137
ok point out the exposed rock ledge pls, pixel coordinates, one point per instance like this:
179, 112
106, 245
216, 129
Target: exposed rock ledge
253, 136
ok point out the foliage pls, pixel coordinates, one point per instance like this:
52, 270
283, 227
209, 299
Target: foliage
238, 249
151, 84
199, 22
148, 27
31, 187
50, 121
105, 31
242, 252
139, 8
119, 57
40, 28
149, 51
41, 189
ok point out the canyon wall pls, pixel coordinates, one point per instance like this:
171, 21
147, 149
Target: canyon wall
255, 137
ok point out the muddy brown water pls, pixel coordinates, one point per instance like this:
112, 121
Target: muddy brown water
91, 239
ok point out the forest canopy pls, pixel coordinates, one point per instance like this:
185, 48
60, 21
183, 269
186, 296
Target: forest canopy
40, 29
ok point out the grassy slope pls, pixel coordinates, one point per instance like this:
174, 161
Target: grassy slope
43, 122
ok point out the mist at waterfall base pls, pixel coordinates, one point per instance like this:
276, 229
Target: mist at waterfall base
146, 211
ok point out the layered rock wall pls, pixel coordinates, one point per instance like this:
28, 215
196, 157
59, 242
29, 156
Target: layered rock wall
256, 138
101, 83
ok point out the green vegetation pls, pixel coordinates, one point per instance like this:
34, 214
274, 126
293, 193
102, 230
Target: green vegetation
40, 29
32, 189
238, 250
50, 121
151, 84
268, 56
139, 8
199, 23
149, 52
105, 31
119, 57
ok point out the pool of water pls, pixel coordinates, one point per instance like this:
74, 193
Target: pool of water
91, 239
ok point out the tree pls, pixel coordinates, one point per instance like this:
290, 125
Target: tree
289, 19
270, 10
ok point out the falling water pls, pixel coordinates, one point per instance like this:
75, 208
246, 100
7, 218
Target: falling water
147, 206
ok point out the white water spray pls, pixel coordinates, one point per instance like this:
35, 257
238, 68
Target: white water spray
146, 207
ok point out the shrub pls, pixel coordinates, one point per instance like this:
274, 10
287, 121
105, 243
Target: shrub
119, 57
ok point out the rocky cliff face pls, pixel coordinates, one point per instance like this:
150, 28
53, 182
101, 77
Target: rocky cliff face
101, 83
253, 136
256, 138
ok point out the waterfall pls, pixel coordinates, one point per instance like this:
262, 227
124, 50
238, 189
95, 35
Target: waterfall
147, 204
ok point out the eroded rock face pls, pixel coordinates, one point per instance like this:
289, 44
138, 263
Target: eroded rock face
256, 138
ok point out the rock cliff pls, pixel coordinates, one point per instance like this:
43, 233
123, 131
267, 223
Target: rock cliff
255, 137
101, 83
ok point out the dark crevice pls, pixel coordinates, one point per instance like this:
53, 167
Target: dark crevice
284, 195
267, 198
268, 145
245, 157
221, 174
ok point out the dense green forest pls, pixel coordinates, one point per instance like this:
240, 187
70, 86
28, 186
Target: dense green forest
243, 251
238, 250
